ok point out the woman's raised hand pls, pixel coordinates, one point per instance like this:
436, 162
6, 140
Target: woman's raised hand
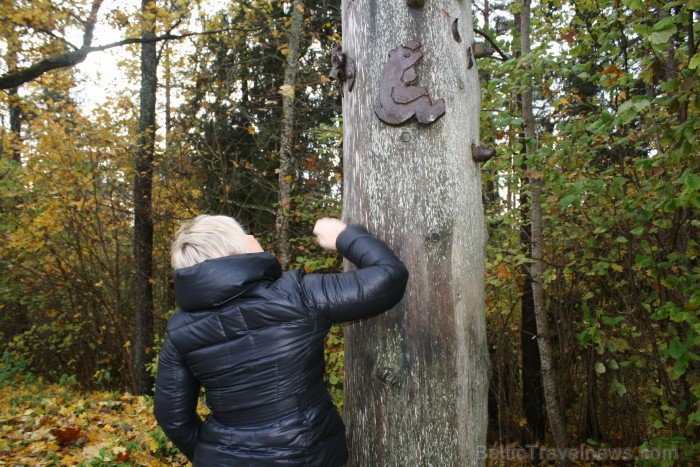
327, 231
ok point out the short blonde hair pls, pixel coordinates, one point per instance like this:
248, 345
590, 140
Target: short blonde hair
207, 237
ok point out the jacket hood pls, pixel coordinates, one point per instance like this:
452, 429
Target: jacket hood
216, 281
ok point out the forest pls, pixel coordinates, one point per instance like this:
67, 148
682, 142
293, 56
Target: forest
592, 206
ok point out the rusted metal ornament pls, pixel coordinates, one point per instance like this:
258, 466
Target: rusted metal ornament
481, 154
343, 67
400, 99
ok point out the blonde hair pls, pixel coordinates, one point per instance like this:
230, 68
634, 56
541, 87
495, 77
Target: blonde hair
206, 237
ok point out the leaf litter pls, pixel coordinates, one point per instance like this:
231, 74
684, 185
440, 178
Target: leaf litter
55, 425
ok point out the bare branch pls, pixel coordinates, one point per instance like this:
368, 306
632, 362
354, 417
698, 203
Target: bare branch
483, 34
66, 60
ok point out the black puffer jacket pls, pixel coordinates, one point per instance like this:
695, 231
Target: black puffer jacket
253, 338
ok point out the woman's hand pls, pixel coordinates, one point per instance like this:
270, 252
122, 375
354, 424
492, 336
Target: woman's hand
327, 231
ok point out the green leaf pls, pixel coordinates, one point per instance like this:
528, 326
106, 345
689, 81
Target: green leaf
599, 368
676, 348
568, 200
662, 31
619, 388
641, 105
625, 106
627, 111
689, 179
634, 4
608, 321
694, 62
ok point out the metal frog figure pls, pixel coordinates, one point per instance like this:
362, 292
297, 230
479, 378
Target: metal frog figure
400, 100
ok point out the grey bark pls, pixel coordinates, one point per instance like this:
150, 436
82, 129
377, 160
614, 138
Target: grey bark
284, 183
417, 377
549, 384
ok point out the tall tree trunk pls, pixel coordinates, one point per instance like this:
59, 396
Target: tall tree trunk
14, 110
417, 377
531, 376
15, 126
287, 137
554, 414
168, 93
143, 215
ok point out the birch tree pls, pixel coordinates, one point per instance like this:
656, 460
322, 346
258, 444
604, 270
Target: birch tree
417, 376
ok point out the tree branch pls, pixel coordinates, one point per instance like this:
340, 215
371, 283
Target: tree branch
69, 59
483, 34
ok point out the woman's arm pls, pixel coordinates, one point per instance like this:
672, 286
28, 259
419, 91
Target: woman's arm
377, 285
175, 402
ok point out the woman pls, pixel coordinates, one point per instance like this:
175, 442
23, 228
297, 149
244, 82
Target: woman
253, 338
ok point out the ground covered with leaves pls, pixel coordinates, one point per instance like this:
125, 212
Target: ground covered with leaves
52, 425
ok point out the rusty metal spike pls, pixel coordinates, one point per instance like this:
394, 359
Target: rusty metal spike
343, 68
481, 154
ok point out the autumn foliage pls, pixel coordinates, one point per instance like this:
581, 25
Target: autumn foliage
57, 424
616, 90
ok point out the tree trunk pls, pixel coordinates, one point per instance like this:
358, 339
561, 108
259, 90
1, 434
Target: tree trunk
554, 414
287, 137
14, 109
142, 342
531, 376
15, 126
417, 377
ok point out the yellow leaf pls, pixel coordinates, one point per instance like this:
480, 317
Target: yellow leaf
300, 8
152, 445
119, 450
287, 91
617, 267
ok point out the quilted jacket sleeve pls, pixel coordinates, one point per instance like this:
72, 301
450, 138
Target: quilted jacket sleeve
175, 404
377, 285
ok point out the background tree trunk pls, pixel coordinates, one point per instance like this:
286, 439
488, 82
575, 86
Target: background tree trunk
417, 376
143, 216
554, 414
14, 110
531, 374
287, 137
